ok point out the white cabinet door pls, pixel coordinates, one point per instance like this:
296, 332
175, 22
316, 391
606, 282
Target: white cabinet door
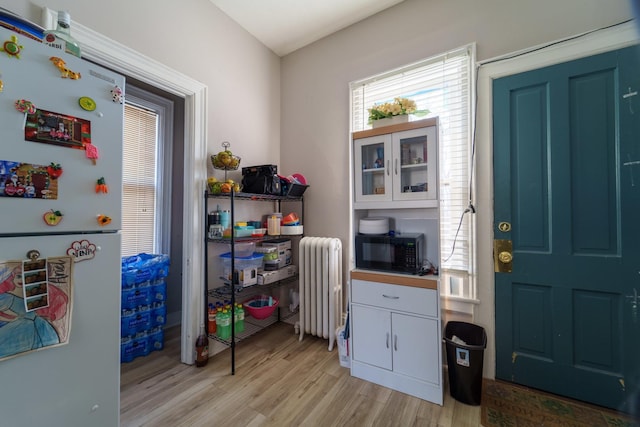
372, 169
371, 336
414, 169
416, 349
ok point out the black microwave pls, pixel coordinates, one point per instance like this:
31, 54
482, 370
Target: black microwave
400, 254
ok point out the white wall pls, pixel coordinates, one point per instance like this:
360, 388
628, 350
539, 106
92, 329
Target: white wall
315, 93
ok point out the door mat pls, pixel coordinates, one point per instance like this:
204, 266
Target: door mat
508, 405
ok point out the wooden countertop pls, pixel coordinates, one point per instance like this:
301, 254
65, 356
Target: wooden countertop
425, 282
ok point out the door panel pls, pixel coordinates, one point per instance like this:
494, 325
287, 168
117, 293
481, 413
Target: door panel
372, 336
567, 179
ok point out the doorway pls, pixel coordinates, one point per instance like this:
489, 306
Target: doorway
124, 60
566, 203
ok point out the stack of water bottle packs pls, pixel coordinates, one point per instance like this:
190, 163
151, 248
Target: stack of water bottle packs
144, 293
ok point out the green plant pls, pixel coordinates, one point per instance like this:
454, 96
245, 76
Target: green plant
399, 106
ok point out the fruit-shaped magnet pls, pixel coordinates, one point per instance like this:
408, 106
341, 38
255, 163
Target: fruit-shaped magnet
104, 220
54, 170
87, 103
101, 185
52, 217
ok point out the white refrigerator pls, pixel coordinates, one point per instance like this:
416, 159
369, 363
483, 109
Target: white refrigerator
61, 127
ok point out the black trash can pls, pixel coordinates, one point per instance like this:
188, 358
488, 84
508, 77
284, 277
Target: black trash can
465, 359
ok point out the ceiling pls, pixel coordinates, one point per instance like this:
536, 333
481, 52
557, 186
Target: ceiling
287, 25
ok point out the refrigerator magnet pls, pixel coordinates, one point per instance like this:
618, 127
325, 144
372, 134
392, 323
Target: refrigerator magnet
54, 170
35, 279
65, 73
82, 250
11, 47
101, 186
117, 95
91, 152
24, 106
52, 217
104, 220
87, 103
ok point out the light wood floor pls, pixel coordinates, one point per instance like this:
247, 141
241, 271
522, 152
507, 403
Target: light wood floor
279, 381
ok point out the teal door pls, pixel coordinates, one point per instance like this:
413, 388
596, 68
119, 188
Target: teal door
567, 200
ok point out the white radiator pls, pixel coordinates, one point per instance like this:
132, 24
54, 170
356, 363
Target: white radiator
320, 287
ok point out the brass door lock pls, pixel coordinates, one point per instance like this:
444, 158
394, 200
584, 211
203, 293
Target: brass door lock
502, 256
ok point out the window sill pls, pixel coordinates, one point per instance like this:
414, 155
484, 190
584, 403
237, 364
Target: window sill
458, 304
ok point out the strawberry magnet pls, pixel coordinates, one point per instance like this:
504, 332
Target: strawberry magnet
54, 170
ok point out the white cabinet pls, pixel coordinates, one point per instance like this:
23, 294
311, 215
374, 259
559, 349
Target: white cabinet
395, 333
399, 165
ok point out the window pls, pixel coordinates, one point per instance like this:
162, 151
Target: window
139, 180
146, 161
443, 85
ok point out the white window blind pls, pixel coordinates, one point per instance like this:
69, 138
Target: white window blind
443, 85
139, 180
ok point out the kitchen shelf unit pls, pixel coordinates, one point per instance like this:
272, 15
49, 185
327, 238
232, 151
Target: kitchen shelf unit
252, 325
395, 319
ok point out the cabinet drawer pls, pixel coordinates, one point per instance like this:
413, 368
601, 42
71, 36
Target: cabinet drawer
395, 297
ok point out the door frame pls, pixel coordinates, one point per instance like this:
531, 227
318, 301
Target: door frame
587, 44
101, 49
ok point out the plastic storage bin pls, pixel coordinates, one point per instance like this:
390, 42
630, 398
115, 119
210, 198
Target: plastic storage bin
465, 344
247, 268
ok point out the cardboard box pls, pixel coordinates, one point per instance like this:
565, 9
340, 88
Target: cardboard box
284, 250
266, 277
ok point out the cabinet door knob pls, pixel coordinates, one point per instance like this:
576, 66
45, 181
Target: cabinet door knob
387, 339
395, 342
390, 296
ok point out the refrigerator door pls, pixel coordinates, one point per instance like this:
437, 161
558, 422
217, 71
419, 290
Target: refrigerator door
76, 384
76, 114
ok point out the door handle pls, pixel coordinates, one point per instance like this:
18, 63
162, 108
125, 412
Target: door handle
505, 257
387, 339
396, 169
388, 167
502, 256
395, 342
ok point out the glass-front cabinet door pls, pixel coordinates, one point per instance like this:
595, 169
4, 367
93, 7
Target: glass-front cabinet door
399, 166
414, 164
372, 158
